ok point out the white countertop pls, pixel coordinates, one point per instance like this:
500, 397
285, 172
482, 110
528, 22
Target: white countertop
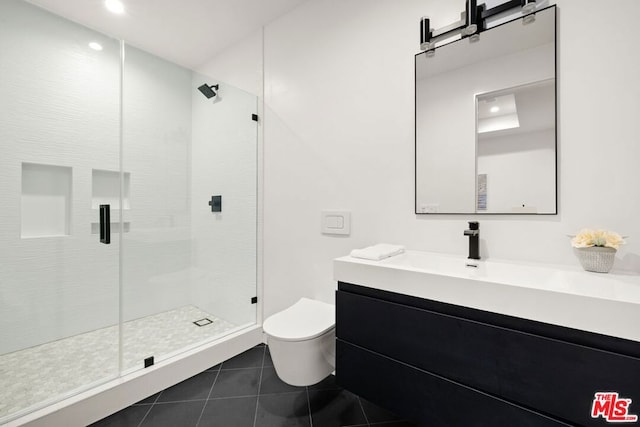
603, 303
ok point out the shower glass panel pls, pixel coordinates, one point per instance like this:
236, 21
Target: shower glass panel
59, 121
189, 273
224, 153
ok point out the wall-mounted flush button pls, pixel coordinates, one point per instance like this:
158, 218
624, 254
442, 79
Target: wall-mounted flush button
336, 222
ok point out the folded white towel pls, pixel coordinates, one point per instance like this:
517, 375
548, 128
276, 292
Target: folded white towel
378, 252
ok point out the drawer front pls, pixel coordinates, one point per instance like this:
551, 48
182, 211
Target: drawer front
424, 397
554, 377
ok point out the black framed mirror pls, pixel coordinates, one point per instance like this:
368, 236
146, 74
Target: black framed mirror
486, 138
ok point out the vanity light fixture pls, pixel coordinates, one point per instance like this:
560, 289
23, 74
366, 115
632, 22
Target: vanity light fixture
473, 21
471, 14
425, 34
528, 6
425, 37
114, 6
494, 109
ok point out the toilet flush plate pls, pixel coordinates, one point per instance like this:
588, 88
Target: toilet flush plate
336, 222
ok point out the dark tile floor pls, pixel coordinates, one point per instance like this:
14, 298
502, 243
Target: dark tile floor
246, 392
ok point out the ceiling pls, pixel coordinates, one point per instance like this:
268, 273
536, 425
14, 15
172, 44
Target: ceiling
187, 32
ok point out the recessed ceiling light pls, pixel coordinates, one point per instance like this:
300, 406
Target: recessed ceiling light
95, 46
114, 6
494, 109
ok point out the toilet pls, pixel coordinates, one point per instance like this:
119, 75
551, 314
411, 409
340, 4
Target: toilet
302, 342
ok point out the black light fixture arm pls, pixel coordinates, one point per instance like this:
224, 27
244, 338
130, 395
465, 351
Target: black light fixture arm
526, 5
472, 22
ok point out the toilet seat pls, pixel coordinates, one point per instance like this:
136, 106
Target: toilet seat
304, 320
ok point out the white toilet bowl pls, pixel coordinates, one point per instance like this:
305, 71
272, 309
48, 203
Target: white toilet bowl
302, 343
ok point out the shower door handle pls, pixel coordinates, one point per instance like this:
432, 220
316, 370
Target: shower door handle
105, 224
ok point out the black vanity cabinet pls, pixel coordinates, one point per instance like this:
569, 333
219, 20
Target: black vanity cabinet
446, 365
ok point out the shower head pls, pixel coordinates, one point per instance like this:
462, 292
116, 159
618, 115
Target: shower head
208, 91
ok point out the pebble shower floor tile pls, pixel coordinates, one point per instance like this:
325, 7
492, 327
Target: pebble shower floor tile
37, 375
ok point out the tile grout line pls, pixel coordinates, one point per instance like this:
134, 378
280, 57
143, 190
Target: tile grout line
240, 369
363, 411
171, 402
208, 395
309, 406
250, 395
255, 414
386, 423
150, 408
145, 415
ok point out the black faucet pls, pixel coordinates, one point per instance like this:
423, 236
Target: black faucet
474, 239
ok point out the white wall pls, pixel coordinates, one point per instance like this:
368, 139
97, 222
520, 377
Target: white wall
239, 65
339, 134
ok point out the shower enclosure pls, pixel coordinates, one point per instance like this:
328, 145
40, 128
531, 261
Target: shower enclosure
90, 125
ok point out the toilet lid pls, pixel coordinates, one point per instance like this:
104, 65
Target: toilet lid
304, 320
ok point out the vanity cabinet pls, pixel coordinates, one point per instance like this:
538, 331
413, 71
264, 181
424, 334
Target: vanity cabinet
447, 365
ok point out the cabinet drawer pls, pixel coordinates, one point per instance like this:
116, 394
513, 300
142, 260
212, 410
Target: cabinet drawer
554, 377
424, 397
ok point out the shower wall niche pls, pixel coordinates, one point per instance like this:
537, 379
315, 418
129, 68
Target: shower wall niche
45, 203
105, 189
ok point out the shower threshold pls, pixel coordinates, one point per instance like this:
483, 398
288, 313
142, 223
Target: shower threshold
39, 375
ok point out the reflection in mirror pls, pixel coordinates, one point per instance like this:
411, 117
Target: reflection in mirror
515, 150
486, 122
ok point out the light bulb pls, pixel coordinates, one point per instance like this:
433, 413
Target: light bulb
114, 6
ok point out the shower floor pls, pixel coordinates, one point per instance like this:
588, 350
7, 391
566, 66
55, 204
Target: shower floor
42, 374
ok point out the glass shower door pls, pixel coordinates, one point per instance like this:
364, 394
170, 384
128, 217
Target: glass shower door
156, 161
129, 209
59, 161
189, 237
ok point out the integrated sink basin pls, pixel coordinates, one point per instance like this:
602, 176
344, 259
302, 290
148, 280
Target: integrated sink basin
560, 295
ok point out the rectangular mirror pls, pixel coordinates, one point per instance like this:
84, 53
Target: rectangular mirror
486, 122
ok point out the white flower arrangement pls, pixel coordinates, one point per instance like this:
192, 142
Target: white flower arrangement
588, 238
